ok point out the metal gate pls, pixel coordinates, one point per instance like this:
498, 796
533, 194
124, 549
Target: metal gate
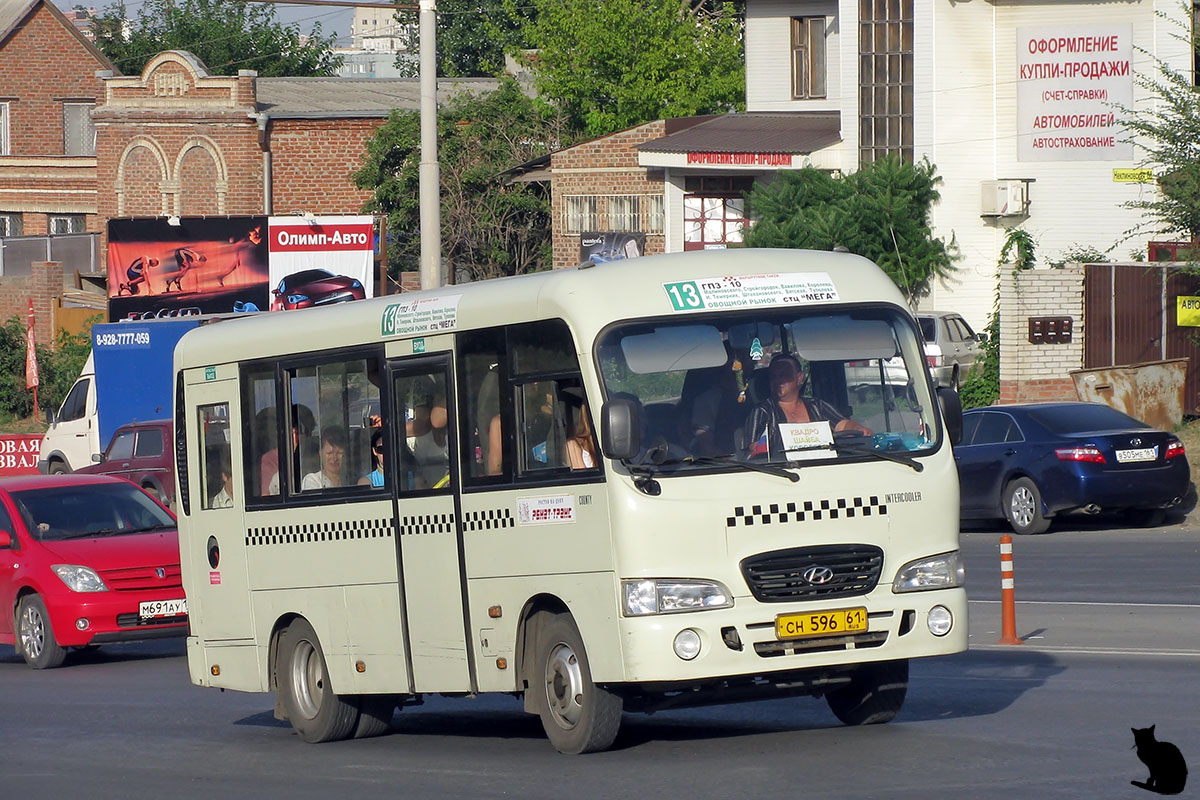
1129, 318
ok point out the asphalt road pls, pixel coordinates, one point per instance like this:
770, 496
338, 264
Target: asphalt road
1112, 626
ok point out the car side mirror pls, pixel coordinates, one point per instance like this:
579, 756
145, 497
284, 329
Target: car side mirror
97, 458
620, 427
6, 540
981, 338
951, 405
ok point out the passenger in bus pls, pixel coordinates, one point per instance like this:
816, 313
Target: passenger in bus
302, 425
224, 498
375, 476
429, 442
495, 451
333, 453
581, 445
785, 404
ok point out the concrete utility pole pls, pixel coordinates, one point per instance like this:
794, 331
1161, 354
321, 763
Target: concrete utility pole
429, 174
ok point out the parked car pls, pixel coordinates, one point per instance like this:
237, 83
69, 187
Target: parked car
865, 377
141, 452
951, 347
1029, 463
314, 287
87, 560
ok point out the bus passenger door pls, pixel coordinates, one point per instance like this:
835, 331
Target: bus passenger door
423, 469
213, 552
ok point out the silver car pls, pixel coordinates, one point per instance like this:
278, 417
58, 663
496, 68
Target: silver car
951, 348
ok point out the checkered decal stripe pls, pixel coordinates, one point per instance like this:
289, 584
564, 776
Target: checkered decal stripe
490, 520
340, 531
809, 510
427, 523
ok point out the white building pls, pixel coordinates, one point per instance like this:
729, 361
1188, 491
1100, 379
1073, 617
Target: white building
1010, 99
376, 30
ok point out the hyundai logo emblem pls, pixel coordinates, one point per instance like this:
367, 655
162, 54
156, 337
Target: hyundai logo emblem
817, 576
160, 572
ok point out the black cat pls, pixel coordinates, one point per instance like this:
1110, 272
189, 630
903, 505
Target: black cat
1168, 772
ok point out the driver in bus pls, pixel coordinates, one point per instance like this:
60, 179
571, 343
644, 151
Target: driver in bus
785, 404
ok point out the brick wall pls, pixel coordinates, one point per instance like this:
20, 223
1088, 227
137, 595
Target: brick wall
42, 64
1039, 372
313, 162
44, 285
604, 166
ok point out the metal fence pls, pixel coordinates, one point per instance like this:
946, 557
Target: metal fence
77, 252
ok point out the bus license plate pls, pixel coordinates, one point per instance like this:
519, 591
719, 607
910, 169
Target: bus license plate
821, 623
154, 609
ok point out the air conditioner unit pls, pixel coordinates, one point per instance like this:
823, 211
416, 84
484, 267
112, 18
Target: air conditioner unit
1004, 198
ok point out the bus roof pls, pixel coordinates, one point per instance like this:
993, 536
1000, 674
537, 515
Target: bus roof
588, 297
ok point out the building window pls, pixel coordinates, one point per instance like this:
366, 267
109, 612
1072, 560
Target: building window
79, 134
808, 57
67, 223
714, 212
885, 79
655, 215
582, 214
623, 213
4, 151
10, 225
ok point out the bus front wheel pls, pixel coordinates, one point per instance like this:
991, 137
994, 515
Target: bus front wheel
315, 711
577, 715
874, 695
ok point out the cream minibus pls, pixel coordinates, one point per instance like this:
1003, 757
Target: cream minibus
668, 481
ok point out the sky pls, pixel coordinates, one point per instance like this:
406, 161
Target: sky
333, 20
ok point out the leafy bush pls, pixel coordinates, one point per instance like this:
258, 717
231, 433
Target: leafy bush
58, 368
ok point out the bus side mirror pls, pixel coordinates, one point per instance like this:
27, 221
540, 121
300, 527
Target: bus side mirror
620, 428
951, 406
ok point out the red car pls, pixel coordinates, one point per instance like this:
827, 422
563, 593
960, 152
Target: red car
141, 452
85, 560
315, 287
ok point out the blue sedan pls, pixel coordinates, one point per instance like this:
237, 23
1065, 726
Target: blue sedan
1029, 463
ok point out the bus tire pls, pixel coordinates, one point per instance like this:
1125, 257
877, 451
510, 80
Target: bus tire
315, 711
374, 715
874, 696
35, 637
577, 715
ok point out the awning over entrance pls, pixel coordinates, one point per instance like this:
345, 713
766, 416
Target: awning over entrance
759, 140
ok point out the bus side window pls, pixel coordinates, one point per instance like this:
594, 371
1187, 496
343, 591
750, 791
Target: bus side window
485, 411
424, 458
262, 446
338, 397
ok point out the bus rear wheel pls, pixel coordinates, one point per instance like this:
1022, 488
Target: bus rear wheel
315, 711
874, 695
577, 715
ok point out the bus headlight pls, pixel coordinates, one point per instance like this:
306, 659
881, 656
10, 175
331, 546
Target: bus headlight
79, 579
670, 596
936, 572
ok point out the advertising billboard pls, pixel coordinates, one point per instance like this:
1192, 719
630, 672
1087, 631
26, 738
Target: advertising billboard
319, 261
213, 265
610, 246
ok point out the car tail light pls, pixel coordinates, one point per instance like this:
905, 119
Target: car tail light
1089, 454
933, 361
1174, 448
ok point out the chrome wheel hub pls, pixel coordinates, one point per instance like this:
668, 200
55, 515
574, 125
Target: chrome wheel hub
564, 686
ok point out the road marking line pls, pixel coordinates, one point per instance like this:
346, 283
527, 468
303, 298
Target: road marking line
1089, 603
1107, 651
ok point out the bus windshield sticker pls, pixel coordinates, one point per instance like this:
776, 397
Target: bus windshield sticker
805, 440
710, 294
420, 315
546, 510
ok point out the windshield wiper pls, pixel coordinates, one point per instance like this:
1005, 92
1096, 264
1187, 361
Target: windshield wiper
90, 534
150, 528
886, 455
730, 461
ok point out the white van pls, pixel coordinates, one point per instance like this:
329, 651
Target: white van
632, 486
74, 433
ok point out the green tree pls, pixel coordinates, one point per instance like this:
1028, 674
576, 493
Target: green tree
472, 36
880, 212
612, 64
490, 227
58, 367
1166, 128
227, 35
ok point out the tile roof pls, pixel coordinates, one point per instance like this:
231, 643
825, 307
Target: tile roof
308, 98
759, 132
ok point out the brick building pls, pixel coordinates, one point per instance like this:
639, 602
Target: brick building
48, 86
176, 140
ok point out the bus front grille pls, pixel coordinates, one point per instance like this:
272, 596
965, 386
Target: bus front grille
811, 573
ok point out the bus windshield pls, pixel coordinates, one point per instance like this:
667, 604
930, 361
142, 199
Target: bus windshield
772, 386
